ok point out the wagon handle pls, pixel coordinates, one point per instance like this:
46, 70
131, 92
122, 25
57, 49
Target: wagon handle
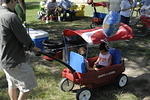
50, 54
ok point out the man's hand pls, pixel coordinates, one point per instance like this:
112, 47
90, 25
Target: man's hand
36, 50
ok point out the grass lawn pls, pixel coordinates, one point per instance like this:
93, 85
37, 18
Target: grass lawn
49, 73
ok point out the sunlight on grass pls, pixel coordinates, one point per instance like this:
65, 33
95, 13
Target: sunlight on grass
32, 13
3, 95
3, 90
127, 96
48, 85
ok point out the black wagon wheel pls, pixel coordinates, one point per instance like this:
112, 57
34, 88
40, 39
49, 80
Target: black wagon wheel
51, 44
84, 94
66, 85
122, 80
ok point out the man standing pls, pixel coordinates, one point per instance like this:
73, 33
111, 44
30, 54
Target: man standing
14, 40
126, 10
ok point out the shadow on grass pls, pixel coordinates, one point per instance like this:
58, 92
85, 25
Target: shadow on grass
136, 89
3, 88
136, 50
78, 23
3, 97
3, 82
140, 85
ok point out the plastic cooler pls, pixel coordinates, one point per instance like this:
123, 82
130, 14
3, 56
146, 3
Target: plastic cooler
38, 36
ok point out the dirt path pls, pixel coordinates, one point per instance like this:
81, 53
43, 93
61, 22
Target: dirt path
139, 79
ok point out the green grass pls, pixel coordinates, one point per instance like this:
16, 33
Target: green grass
49, 73
127, 96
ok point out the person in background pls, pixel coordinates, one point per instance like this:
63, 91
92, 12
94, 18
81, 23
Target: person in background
50, 7
145, 2
126, 6
66, 5
104, 58
14, 41
41, 13
112, 19
145, 8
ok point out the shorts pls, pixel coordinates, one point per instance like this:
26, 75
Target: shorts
125, 20
21, 77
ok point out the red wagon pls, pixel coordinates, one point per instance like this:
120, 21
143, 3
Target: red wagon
145, 21
93, 79
77, 73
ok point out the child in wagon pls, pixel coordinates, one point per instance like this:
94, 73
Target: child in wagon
104, 58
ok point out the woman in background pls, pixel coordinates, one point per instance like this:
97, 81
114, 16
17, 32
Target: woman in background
126, 6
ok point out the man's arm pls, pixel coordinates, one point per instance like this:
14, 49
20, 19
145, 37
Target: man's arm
20, 32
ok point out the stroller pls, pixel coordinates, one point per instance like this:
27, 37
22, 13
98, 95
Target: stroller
143, 19
76, 72
97, 16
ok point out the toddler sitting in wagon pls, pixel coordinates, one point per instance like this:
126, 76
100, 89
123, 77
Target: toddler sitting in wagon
104, 58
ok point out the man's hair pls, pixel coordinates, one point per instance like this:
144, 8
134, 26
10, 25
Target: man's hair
6, 1
103, 46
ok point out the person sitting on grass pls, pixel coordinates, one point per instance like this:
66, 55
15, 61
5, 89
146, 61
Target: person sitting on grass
50, 7
66, 5
104, 58
41, 13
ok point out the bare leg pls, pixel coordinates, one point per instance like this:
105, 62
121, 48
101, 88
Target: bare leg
22, 96
12, 93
